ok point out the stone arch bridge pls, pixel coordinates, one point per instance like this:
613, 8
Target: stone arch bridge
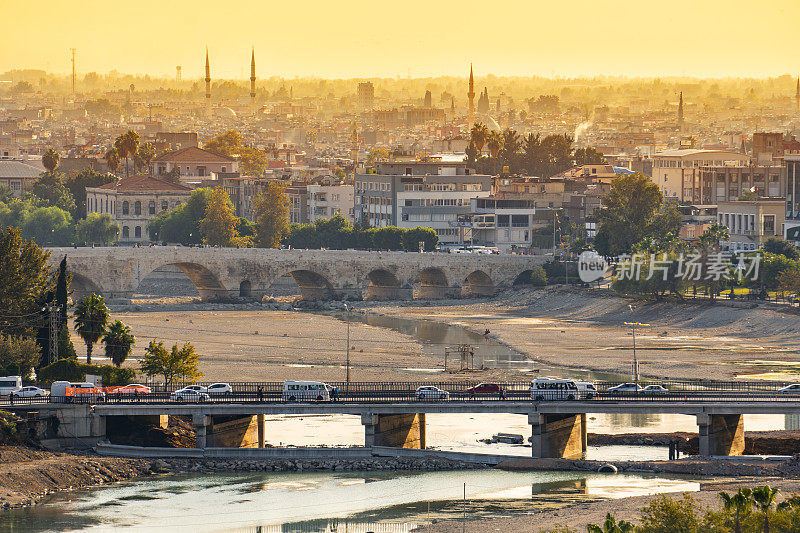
248, 273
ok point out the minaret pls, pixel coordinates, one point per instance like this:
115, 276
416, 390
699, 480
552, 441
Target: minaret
208, 83
680, 112
253, 76
471, 98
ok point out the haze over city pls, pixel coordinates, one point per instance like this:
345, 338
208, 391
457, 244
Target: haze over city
355, 38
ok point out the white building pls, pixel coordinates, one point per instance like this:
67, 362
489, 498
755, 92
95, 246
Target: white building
327, 201
676, 171
133, 202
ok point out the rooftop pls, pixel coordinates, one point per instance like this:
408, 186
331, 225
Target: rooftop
17, 169
192, 153
142, 184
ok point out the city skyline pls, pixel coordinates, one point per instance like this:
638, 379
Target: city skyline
354, 40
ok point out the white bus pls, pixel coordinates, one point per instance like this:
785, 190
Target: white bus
10, 384
306, 390
558, 389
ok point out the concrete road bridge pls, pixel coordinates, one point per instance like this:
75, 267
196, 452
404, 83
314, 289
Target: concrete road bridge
558, 428
249, 273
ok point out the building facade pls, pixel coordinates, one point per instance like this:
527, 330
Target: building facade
133, 202
750, 223
326, 201
676, 172
194, 164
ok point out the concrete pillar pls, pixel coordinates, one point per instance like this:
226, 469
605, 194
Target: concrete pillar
161, 421
558, 435
261, 435
397, 431
202, 426
720, 434
378, 292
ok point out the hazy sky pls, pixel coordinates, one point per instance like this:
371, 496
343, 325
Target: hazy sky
352, 38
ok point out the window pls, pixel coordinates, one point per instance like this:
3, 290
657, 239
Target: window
125, 207
502, 221
138, 232
224, 169
137, 208
152, 207
164, 205
125, 232
408, 203
201, 171
519, 221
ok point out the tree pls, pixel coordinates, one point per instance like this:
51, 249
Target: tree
557, 154
97, 228
173, 176
479, 134
51, 188
509, 153
665, 515
412, 238
218, 226
494, 143
739, 504
776, 245
589, 156
182, 224
377, 154
271, 213
532, 149
118, 340
50, 160
48, 226
26, 280
764, 498
144, 155
226, 144
19, 354
77, 187
611, 526
112, 158
91, 317
127, 145
627, 212
177, 363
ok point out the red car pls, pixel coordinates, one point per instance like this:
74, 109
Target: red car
485, 388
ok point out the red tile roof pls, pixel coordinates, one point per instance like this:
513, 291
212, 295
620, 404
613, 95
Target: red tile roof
143, 184
190, 154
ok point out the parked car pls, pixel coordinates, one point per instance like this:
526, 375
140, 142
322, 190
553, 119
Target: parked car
219, 389
625, 388
485, 388
196, 388
794, 387
430, 392
189, 395
655, 389
133, 388
30, 392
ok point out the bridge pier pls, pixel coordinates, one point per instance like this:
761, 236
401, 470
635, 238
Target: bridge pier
376, 292
396, 431
558, 435
720, 434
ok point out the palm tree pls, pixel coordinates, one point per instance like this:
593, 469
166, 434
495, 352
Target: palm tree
532, 147
50, 160
127, 145
91, 317
122, 150
479, 135
494, 142
739, 504
764, 498
112, 159
119, 341
611, 526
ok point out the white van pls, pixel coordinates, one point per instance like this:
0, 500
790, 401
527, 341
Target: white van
587, 390
555, 389
306, 390
10, 385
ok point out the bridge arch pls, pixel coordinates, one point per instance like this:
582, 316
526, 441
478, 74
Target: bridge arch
477, 283
432, 284
383, 285
245, 289
207, 283
313, 285
82, 286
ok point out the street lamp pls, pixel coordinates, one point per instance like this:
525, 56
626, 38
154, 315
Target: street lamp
347, 360
635, 364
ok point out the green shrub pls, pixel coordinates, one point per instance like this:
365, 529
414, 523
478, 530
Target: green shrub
73, 370
538, 277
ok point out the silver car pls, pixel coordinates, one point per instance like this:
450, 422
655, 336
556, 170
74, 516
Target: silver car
429, 392
189, 395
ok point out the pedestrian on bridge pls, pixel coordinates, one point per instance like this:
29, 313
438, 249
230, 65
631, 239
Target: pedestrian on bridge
260, 394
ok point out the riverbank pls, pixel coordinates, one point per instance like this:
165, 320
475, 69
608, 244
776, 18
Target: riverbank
584, 329
27, 475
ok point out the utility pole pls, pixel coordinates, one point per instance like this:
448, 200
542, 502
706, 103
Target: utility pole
73, 70
635, 364
54, 313
464, 520
347, 359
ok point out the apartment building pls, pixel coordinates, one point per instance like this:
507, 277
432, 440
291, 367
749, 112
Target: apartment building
751, 222
507, 224
791, 230
326, 201
431, 194
720, 183
676, 172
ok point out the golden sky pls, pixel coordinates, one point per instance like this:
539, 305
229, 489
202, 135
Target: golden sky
359, 38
